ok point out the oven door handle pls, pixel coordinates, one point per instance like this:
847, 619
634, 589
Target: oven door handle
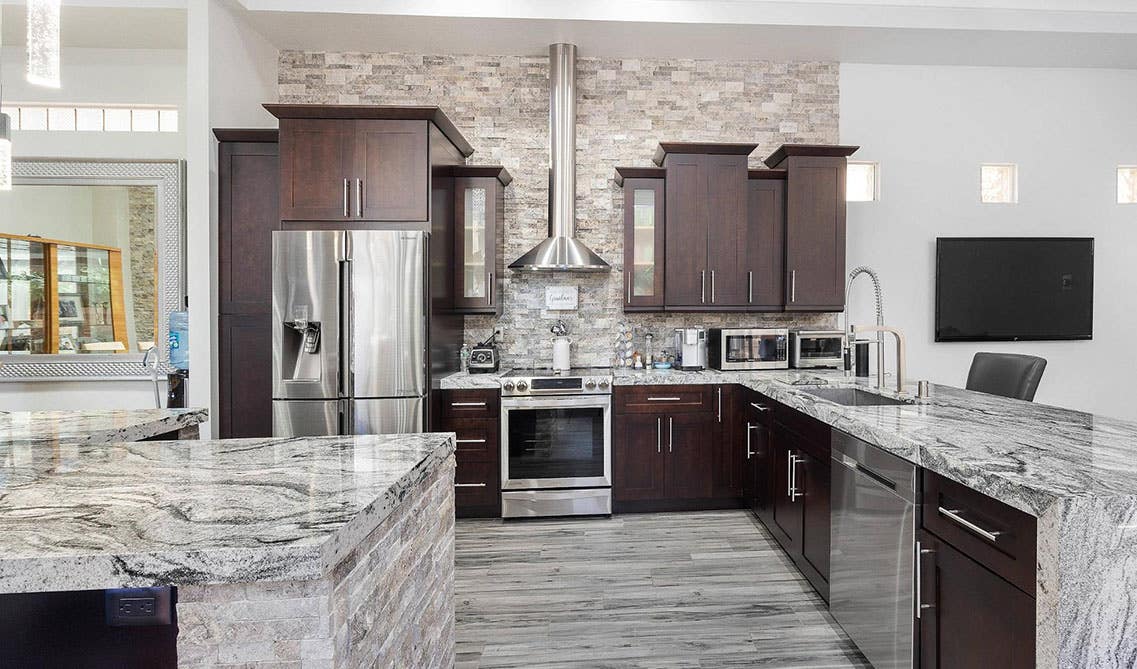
559, 402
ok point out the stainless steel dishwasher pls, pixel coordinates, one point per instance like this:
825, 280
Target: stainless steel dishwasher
873, 535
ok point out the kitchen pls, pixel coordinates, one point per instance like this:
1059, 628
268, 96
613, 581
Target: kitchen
603, 318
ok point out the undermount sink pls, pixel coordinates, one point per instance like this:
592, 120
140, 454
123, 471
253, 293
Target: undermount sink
854, 397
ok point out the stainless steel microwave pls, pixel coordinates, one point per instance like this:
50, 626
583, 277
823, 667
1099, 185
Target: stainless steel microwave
810, 349
745, 349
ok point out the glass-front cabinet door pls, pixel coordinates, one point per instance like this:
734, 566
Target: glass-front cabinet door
23, 297
643, 243
478, 229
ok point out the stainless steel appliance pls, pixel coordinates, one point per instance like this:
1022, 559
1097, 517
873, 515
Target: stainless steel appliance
349, 330
556, 443
691, 348
811, 349
749, 348
872, 550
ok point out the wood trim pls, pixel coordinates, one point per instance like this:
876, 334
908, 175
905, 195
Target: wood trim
713, 148
252, 135
59, 242
813, 150
51, 298
118, 302
768, 174
396, 112
492, 171
638, 173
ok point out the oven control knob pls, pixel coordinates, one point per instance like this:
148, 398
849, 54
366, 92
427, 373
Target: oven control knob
522, 386
508, 386
590, 384
603, 383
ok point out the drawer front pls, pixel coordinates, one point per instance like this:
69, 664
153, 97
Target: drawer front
665, 399
466, 404
476, 484
758, 408
477, 440
997, 536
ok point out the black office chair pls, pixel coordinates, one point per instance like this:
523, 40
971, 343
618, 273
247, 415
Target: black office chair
1006, 374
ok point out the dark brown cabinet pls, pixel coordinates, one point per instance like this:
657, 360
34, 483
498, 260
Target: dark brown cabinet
689, 463
729, 464
755, 444
479, 235
765, 239
638, 465
644, 252
970, 617
473, 415
815, 225
361, 163
248, 177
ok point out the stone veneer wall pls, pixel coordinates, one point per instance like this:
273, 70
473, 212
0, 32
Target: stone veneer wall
389, 605
143, 209
625, 107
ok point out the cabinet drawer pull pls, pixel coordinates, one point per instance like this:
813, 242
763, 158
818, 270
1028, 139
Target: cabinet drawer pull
658, 435
469, 485
664, 399
468, 404
471, 441
759, 407
953, 515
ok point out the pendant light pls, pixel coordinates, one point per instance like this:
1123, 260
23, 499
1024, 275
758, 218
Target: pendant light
43, 42
5, 145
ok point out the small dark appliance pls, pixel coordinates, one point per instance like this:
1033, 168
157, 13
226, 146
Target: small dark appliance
484, 358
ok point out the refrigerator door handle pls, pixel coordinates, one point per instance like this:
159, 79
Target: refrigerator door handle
347, 340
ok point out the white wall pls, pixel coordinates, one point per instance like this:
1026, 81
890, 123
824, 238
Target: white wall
1068, 130
109, 76
231, 72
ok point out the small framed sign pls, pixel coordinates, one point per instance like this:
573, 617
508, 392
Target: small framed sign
561, 298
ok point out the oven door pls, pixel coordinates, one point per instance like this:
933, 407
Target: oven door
754, 350
556, 442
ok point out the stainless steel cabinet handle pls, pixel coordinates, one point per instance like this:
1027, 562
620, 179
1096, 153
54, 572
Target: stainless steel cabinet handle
759, 407
794, 494
750, 427
467, 404
953, 515
346, 211
471, 441
719, 391
920, 553
664, 399
712, 286
489, 289
670, 435
658, 435
469, 485
789, 474
359, 197
703, 286
750, 287
629, 287
793, 285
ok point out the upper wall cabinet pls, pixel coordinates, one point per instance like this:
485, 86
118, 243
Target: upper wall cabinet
815, 225
707, 226
765, 239
361, 163
644, 210
479, 235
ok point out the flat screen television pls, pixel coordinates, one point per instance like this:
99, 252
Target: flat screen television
1014, 288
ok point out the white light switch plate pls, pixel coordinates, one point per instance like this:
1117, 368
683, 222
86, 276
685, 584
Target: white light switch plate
561, 298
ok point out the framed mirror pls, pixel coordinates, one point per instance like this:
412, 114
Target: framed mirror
91, 266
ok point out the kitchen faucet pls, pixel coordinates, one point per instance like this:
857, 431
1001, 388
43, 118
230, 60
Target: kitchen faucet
849, 334
880, 330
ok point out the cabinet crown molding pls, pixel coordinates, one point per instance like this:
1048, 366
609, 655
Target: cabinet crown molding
712, 148
392, 112
816, 150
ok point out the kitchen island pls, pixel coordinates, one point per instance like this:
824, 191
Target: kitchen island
1074, 472
332, 551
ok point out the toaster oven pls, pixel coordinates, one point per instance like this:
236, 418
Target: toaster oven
812, 349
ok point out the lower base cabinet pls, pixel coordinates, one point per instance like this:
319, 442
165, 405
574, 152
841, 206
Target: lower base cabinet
473, 416
970, 617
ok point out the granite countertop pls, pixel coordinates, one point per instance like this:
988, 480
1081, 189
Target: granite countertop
92, 516
48, 428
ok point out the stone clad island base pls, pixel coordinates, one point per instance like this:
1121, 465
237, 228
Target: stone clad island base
389, 603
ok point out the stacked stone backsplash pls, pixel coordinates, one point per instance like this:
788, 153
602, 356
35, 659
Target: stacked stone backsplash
143, 204
625, 107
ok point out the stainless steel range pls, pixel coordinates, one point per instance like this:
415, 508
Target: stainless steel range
556, 442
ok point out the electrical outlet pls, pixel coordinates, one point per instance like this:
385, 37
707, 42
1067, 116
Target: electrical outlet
128, 607
498, 332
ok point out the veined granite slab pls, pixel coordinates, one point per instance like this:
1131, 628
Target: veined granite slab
468, 381
93, 516
49, 428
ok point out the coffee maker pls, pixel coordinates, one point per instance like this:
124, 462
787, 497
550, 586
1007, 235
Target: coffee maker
691, 348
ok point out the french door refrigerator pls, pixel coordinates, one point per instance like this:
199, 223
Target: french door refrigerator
350, 313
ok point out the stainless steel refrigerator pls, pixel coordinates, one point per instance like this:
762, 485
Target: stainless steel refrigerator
350, 314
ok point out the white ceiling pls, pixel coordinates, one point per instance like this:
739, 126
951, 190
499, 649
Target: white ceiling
1055, 33
106, 24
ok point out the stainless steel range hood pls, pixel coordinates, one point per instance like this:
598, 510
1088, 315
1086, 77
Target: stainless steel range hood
561, 251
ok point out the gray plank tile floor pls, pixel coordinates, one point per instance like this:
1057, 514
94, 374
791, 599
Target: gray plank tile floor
705, 589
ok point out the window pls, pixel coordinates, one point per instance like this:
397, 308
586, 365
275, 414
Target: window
862, 183
999, 183
1127, 184
53, 118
